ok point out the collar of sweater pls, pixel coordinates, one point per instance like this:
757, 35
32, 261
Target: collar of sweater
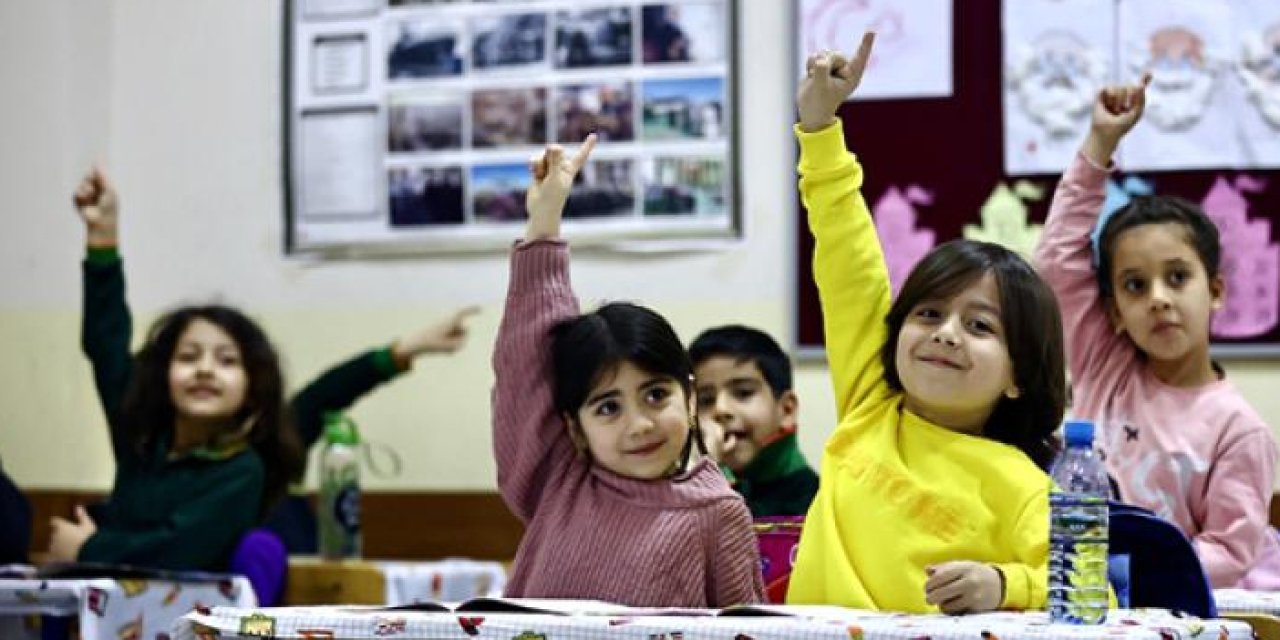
779, 458
699, 485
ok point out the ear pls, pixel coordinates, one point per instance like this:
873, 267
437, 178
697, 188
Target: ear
574, 428
1217, 292
1113, 314
789, 408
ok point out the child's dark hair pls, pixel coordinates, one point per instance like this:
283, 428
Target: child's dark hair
1033, 336
148, 407
1202, 234
589, 346
745, 344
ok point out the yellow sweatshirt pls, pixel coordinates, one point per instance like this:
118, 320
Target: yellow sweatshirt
897, 493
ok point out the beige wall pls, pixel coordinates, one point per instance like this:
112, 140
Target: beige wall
181, 102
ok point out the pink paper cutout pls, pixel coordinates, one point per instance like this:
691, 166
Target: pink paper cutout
1250, 261
904, 245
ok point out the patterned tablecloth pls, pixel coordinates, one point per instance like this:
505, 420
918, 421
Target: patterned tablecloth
1242, 601
113, 609
805, 623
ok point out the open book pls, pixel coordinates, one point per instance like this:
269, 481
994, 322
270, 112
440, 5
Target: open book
543, 606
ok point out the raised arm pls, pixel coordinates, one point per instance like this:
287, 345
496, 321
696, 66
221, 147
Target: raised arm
531, 442
106, 325
848, 264
1064, 257
342, 385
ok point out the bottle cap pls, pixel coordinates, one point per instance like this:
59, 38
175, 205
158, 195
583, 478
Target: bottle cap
1078, 433
339, 429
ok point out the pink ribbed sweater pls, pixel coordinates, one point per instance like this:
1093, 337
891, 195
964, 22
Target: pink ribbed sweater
679, 542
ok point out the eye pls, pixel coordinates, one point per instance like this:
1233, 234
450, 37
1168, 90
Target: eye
706, 400
186, 355
744, 393
229, 360
608, 408
1179, 277
656, 394
1132, 285
981, 326
927, 313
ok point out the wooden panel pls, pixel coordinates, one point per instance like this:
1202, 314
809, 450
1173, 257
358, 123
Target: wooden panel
397, 525
313, 582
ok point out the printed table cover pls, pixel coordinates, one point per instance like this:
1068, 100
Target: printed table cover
804, 623
114, 609
450, 580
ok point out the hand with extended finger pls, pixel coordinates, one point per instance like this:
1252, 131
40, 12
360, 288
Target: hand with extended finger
68, 537
553, 176
96, 203
1115, 112
964, 586
443, 337
830, 78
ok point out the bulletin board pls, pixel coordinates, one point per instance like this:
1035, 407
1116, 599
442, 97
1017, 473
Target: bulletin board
410, 123
940, 163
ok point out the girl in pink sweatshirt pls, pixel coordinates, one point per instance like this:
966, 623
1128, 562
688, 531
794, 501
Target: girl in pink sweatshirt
1179, 438
593, 430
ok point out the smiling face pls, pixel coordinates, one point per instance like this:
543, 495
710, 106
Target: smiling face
634, 423
952, 358
1161, 295
207, 379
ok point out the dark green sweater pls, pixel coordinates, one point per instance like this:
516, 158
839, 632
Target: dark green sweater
187, 513
778, 482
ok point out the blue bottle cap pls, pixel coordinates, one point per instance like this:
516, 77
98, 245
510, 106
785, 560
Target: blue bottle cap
1078, 433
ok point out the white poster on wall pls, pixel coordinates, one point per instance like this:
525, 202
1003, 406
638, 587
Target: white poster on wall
1257, 68
1192, 101
912, 56
1057, 55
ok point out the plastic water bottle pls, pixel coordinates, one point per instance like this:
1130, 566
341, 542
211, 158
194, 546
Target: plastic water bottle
1078, 531
339, 508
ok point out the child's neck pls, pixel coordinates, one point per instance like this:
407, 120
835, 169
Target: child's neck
190, 433
961, 421
1192, 370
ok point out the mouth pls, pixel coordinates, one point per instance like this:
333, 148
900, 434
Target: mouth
939, 361
203, 392
1161, 328
647, 449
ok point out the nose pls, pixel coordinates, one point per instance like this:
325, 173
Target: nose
945, 335
720, 412
204, 365
1160, 299
642, 424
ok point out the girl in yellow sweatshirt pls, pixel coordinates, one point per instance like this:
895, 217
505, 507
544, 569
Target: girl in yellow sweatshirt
932, 493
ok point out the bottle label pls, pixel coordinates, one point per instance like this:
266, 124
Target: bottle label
1078, 528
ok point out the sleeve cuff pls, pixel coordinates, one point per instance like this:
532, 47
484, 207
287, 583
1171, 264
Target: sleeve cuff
102, 255
385, 363
820, 145
1021, 591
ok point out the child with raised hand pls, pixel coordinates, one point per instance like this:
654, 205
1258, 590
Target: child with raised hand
593, 431
932, 494
197, 419
1180, 439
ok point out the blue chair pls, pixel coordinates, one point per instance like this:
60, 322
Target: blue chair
261, 557
1163, 568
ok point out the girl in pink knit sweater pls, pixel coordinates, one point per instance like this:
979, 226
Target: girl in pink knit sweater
1180, 439
593, 430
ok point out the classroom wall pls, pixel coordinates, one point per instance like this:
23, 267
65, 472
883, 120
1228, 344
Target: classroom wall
181, 103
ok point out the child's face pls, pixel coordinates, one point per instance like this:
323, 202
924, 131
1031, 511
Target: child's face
1163, 297
736, 400
207, 380
635, 423
952, 358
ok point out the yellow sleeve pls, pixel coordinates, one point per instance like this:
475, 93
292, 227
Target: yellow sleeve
848, 265
1026, 581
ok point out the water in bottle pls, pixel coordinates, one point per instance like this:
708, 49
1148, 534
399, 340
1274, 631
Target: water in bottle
339, 503
1078, 531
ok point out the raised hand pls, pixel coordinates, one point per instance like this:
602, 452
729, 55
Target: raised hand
95, 200
553, 176
964, 586
829, 79
446, 336
1116, 110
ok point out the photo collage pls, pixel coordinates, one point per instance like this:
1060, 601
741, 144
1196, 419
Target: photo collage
474, 89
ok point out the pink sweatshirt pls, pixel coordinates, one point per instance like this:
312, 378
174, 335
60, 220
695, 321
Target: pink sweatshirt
1200, 457
686, 541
